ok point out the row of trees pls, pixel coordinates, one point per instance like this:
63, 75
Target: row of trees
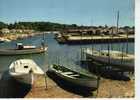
39, 26
47, 26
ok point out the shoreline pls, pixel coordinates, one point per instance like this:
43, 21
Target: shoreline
14, 36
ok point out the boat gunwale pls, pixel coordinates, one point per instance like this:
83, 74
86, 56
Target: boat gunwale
85, 75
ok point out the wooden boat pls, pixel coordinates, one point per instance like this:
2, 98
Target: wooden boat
23, 69
21, 50
88, 81
116, 58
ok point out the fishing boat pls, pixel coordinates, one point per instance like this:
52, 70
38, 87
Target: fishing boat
116, 58
21, 50
23, 70
80, 79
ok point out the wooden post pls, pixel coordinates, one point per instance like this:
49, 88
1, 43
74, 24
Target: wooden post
45, 76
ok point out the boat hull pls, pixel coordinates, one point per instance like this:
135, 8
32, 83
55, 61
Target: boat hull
87, 83
23, 78
115, 59
23, 70
22, 52
122, 64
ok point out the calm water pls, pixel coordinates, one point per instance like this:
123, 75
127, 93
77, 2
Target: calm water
66, 54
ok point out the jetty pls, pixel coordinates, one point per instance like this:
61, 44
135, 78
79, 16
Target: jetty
69, 39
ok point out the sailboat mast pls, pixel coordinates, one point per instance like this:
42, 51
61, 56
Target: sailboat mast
81, 43
43, 40
92, 35
118, 21
118, 14
127, 42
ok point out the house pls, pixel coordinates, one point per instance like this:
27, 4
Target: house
5, 30
19, 30
13, 30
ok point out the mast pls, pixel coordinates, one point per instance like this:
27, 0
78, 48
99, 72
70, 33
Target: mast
81, 45
117, 20
118, 14
92, 36
43, 41
127, 42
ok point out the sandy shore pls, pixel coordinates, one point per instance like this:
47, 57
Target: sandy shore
39, 90
108, 89
10, 88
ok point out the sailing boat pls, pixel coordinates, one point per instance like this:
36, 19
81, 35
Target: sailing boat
119, 59
22, 49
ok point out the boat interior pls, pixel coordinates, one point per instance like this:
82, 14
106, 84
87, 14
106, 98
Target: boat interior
69, 73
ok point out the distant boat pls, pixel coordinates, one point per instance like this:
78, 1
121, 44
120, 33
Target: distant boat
21, 50
23, 69
4, 40
88, 81
116, 58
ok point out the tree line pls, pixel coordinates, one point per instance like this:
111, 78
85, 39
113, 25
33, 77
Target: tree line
47, 26
38, 26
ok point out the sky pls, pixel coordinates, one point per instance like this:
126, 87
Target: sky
81, 12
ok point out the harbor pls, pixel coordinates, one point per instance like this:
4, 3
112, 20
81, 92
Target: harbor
68, 39
69, 55
68, 49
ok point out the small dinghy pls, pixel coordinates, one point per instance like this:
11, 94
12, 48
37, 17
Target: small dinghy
23, 69
88, 81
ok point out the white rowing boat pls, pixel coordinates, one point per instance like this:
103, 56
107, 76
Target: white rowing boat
23, 69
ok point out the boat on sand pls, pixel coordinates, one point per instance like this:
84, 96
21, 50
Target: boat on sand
23, 70
80, 79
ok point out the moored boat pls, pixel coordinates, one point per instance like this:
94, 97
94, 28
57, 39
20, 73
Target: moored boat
23, 69
116, 58
21, 50
80, 79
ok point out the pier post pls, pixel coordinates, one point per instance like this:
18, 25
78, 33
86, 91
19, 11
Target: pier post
45, 76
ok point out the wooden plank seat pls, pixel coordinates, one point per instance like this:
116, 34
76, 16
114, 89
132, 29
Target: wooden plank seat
74, 75
67, 73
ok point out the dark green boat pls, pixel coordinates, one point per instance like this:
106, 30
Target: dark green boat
89, 81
